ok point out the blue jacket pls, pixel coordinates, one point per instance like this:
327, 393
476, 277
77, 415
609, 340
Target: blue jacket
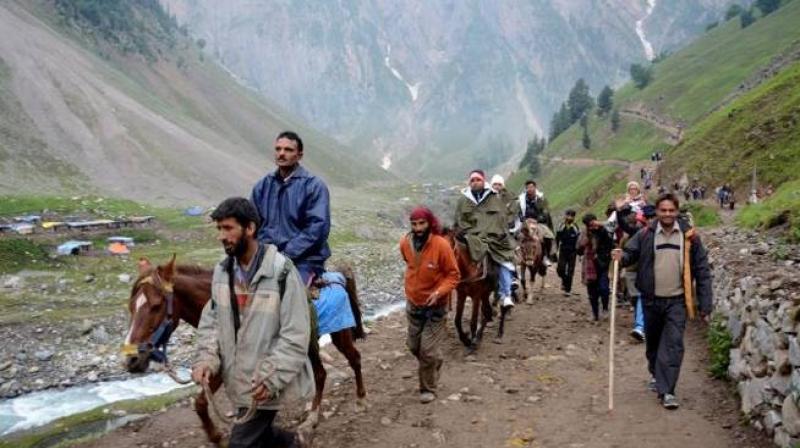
295, 215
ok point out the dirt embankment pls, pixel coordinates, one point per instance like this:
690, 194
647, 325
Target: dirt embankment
544, 386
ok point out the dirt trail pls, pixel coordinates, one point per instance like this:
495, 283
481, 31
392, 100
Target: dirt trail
643, 113
545, 386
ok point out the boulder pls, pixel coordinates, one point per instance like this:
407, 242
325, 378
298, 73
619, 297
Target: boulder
735, 328
790, 416
781, 383
794, 351
737, 367
771, 421
754, 395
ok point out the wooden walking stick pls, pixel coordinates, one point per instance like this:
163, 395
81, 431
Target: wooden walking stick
611, 337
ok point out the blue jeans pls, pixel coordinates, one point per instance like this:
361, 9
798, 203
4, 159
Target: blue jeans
504, 279
638, 322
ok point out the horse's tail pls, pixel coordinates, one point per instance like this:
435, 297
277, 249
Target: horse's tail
352, 294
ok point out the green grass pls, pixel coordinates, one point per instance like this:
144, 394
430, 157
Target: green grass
759, 129
781, 208
20, 253
693, 80
634, 140
704, 215
719, 346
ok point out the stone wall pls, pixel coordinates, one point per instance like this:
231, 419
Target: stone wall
757, 292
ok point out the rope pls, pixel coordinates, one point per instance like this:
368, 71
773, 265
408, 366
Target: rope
215, 408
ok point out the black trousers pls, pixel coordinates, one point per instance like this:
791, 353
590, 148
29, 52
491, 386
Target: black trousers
664, 324
566, 269
260, 433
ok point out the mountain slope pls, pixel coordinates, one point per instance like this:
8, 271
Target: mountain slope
77, 114
418, 81
718, 107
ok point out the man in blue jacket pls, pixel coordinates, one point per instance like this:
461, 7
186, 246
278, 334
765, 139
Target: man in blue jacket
294, 206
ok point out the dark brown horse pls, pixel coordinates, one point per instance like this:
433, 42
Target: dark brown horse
530, 258
162, 296
478, 282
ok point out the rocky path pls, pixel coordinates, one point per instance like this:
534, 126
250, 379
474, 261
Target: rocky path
544, 386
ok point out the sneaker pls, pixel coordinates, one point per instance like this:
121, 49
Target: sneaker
637, 334
651, 385
508, 302
426, 397
670, 402
547, 262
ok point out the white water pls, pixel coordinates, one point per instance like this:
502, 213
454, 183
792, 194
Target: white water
39, 408
413, 89
648, 47
386, 163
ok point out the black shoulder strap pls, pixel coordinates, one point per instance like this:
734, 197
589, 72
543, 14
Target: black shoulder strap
234, 302
287, 266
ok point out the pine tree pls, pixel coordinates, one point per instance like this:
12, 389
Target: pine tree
579, 100
641, 75
605, 101
746, 18
587, 142
615, 120
768, 6
733, 11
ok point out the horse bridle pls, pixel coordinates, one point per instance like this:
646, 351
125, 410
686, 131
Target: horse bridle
156, 347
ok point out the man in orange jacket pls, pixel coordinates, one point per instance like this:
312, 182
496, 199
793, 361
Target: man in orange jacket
431, 274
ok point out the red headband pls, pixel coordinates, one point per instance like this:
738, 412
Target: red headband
426, 214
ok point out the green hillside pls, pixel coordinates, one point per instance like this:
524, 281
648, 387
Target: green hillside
721, 96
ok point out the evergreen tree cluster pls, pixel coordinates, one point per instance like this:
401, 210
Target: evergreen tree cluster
530, 161
641, 75
133, 26
579, 104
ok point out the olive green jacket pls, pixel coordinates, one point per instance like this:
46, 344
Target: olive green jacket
484, 223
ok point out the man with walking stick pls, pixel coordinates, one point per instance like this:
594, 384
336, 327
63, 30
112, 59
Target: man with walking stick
671, 258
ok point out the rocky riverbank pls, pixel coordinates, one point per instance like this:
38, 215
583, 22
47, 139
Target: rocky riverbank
46, 351
757, 293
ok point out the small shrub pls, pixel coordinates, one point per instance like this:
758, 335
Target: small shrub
719, 345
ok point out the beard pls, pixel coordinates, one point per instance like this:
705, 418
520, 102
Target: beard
236, 250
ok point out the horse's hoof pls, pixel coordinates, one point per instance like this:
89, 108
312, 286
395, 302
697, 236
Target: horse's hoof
361, 405
529, 301
498, 340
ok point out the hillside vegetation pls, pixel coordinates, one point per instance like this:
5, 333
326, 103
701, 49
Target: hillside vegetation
724, 104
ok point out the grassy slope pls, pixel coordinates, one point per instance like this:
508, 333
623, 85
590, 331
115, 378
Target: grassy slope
634, 140
782, 208
694, 80
759, 129
687, 86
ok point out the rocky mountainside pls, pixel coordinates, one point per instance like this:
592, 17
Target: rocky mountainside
92, 100
471, 78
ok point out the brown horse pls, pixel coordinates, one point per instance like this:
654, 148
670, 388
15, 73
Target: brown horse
478, 282
164, 295
530, 258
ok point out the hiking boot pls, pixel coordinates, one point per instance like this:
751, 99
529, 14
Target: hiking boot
670, 402
508, 302
651, 385
637, 334
426, 397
